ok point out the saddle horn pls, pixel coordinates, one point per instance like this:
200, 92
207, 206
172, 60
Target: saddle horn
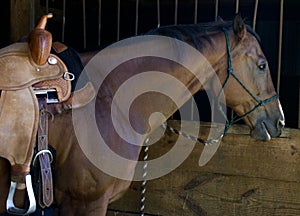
40, 41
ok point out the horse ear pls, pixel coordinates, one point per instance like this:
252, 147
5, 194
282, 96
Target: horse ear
239, 27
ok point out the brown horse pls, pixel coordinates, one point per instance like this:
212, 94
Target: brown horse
81, 188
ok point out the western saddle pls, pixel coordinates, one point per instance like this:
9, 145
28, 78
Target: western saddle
35, 85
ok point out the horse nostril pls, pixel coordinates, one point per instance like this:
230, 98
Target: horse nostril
280, 123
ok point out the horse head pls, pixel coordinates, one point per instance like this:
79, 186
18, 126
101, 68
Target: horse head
250, 93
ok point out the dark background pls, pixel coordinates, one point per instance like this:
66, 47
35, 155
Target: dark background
267, 27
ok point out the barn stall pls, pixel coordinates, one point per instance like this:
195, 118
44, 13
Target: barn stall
245, 177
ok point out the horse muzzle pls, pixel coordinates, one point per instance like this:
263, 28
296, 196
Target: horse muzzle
267, 129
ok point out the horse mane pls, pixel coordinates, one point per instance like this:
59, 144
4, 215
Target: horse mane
195, 33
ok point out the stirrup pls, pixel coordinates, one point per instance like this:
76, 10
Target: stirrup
10, 206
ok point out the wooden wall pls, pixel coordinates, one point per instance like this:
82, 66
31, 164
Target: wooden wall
245, 177
23, 16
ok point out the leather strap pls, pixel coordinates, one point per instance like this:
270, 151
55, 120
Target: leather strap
46, 184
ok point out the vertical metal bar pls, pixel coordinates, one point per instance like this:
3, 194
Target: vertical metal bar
176, 12
31, 15
192, 110
216, 17
136, 16
84, 23
99, 21
195, 21
255, 15
47, 6
212, 108
237, 6
216, 9
196, 12
63, 22
158, 13
280, 46
118, 20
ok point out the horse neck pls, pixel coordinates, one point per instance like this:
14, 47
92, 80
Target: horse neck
213, 52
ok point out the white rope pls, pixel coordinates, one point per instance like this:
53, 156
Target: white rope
144, 182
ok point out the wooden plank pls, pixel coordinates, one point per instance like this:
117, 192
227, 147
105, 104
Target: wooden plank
214, 194
239, 154
24, 15
19, 19
245, 177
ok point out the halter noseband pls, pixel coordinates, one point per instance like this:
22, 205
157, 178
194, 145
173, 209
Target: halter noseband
231, 73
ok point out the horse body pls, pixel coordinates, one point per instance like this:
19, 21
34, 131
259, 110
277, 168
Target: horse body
82, 189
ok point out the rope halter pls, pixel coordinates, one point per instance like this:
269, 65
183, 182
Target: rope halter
231, 73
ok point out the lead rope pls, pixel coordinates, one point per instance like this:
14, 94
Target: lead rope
144, 182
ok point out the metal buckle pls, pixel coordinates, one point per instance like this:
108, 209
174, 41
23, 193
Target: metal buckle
49, 94
42, 152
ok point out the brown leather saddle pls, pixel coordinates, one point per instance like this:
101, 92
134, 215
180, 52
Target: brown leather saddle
34, 84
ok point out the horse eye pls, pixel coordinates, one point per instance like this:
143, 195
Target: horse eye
262, 66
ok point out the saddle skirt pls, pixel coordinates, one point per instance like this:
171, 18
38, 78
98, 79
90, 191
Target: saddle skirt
19, 111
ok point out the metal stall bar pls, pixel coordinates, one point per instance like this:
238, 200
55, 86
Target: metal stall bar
216, 9
237, 6
136, 16
118, 20
176, 12
84, 23
255, 15
99, 21
158, 13
280, 46
195, 22
31, 15
63, 21
47, 6
196, 12
213, 102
